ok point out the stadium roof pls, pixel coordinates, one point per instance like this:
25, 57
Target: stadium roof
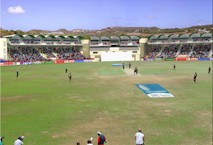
105, 38
38, 37
207, 35
115, 38
27, 37
124, 37
48, 37
184, 36
32, 36
14, 36
52, 36
195, 35
42, 36
173, 36
134, 37
163, 36
153, 37
9, 36
61, 36
69, 37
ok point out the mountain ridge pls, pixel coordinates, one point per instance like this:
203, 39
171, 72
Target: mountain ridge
116, 30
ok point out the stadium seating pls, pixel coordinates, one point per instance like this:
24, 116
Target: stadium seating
169, 51
201, 51
25, 54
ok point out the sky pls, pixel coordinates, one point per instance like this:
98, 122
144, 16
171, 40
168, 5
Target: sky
98, 14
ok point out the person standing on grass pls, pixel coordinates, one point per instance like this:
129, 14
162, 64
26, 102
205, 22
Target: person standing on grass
101, 138
123, 65
209, 70
70, 76
66, 70
19, 141
174, 66
136, 70
139, 138
130, 65
17, 74
195, 77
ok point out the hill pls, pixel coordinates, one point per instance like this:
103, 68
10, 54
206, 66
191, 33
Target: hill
109, 31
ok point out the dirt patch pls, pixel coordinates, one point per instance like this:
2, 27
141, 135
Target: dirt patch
130, 72
82, 132
167, 112
16, 98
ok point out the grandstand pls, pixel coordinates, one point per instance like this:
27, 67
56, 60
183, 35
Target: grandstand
178, 45
41, 48
31, 48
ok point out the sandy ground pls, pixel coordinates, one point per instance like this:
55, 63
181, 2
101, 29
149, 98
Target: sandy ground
130, 72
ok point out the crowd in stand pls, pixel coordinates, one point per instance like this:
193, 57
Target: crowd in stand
69, 54
185, 50
169, 51
201, 51
48, 52
27, 54
155, 50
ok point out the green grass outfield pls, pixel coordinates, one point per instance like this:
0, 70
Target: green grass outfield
47, 109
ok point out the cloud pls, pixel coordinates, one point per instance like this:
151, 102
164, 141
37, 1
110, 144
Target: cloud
16, 10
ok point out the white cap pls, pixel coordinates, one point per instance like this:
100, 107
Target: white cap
21, 137
98, 132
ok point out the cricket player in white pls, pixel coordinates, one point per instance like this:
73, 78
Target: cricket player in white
19, 141
139, 137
